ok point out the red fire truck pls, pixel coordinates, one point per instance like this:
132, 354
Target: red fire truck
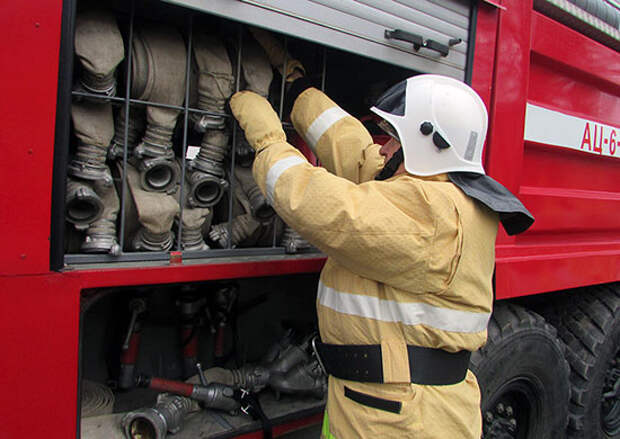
549, 74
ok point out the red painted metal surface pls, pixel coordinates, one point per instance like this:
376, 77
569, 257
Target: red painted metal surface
575, 240
29, 66
484, 58
520, 56
39, 325
505, 137
112, 277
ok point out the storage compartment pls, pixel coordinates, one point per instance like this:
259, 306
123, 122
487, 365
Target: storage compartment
157, 170
258, 328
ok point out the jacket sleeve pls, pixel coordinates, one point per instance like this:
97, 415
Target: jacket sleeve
340, 142
368, 228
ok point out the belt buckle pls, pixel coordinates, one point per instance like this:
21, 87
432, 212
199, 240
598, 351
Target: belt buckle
315, 352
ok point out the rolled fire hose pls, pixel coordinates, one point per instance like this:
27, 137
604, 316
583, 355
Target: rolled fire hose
213, 70
207, 173
215, 81
99, 47
158, 75
156, 212
91, 200
278, 57
96, 399
257, 72
257, 75
94, 128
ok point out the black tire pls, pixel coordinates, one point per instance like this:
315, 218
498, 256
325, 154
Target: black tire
589, 325
523, 377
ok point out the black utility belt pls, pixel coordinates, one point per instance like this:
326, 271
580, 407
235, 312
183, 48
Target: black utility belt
364, 363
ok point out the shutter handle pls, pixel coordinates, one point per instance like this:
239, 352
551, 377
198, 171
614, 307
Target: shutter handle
418, 41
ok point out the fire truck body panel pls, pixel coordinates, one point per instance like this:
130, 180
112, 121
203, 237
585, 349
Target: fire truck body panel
554, 97
530, 70
30, 63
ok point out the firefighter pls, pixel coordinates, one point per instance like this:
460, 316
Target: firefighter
409, 230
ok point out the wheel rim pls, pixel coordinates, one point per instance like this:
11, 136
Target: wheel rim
610, 400
512, 410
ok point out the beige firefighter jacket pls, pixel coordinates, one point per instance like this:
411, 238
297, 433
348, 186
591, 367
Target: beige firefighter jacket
410, 261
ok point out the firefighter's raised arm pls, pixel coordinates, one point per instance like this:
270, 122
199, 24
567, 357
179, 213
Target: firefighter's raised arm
340, 141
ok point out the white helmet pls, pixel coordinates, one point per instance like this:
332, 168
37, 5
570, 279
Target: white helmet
441, 124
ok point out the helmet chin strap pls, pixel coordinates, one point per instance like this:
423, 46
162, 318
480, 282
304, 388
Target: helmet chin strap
391, 166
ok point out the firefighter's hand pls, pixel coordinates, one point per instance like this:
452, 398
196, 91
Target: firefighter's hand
257, 119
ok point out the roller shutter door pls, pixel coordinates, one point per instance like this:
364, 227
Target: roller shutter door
439, 28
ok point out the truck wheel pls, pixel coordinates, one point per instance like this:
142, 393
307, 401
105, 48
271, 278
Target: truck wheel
590, 326
523, 377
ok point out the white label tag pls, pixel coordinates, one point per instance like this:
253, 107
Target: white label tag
551, 127
192, 152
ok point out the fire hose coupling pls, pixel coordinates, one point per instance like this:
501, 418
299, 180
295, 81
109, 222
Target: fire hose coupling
206, 189
158, 170
305, 378
135, 124
296, 371
207, 179
293, 242
289, 357
154, 423
244, 153
157, 142
252, 377
287, 369
215, 81
101, 238
204, 122
89, 164
191, 238
98, 84
152, 242
159, 174
219, 234
259, 206
214, 149
83, 204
